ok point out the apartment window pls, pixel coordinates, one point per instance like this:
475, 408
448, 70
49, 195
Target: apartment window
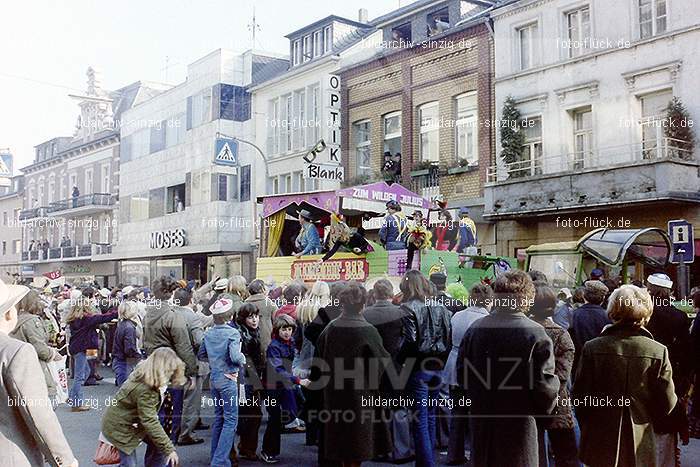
306, 49
4, 218
245, 183
527, 46
175, 130
438, 22
89, 182
223, 188
4, 247
578, 24
583, 137
429, 115
300, 122
199, 109
401, 33
275, 186
327, 39
653, 111
62, 188
138, 208
362, 146
467, 128
318, 43
652, 17
16, 246
532, 150
296, 52
157, 137
273, 127
175, 198
315, 116
392, 133
105, 179
288, 183
138, 145
52, 188
297, 182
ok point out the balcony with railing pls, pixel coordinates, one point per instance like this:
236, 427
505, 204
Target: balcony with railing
81, 205
34, 213
66, 253
663, 169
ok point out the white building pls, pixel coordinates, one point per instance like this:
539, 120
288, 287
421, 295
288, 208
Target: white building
10, 229
69, 221
592, 79
300, 107
182, 213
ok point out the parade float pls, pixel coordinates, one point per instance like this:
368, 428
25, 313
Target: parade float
630, 254
361, 206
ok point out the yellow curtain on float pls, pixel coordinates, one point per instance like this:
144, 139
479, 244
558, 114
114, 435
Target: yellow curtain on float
274, 232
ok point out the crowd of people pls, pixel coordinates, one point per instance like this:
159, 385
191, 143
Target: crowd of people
511, 373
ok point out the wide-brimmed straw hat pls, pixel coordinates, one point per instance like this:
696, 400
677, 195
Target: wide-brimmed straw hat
10, 295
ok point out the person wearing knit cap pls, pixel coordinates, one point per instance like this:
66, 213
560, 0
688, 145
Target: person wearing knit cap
669, 326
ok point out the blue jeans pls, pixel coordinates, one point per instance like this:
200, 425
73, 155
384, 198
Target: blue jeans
225, 394
81, 371
424, 387
154, 458
122, 370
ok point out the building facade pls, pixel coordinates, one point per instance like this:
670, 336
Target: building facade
187, 190
71, 190
425, 100
11, 202
592, 81
295, 110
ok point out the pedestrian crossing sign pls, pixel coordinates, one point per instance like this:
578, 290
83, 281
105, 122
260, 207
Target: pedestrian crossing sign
5, 165
226, 152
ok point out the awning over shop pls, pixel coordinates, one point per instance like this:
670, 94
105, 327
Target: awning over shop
324, 200
650, 245
374, 196
365, 198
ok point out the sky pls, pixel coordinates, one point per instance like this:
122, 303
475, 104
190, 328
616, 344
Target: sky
46, 47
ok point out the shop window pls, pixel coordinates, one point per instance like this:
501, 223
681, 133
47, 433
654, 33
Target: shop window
401, 33
175, 198
438, 22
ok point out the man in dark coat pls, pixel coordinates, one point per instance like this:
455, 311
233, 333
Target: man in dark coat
669, 326
385, 316
355, 431
590, 318
506, 367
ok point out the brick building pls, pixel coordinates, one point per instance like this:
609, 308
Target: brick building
425, 96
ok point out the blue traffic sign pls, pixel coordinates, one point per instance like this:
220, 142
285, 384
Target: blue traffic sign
226, 152
682, 241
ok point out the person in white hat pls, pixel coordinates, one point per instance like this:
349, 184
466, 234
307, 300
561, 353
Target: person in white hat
222, 348
29, 430
669, 326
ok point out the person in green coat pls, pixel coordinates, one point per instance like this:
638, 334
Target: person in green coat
133, 416
623, 386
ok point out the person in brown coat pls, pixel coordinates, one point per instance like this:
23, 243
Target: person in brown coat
30, 433
623, 386
560, 427
354, 432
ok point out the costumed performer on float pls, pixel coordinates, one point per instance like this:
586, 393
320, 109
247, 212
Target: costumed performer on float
418, 237
308, 241
341, 235
393, 230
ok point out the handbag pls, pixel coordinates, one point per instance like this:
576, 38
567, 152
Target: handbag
57, 369
106, 454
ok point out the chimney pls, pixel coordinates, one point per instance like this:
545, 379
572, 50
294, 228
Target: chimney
362, 15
